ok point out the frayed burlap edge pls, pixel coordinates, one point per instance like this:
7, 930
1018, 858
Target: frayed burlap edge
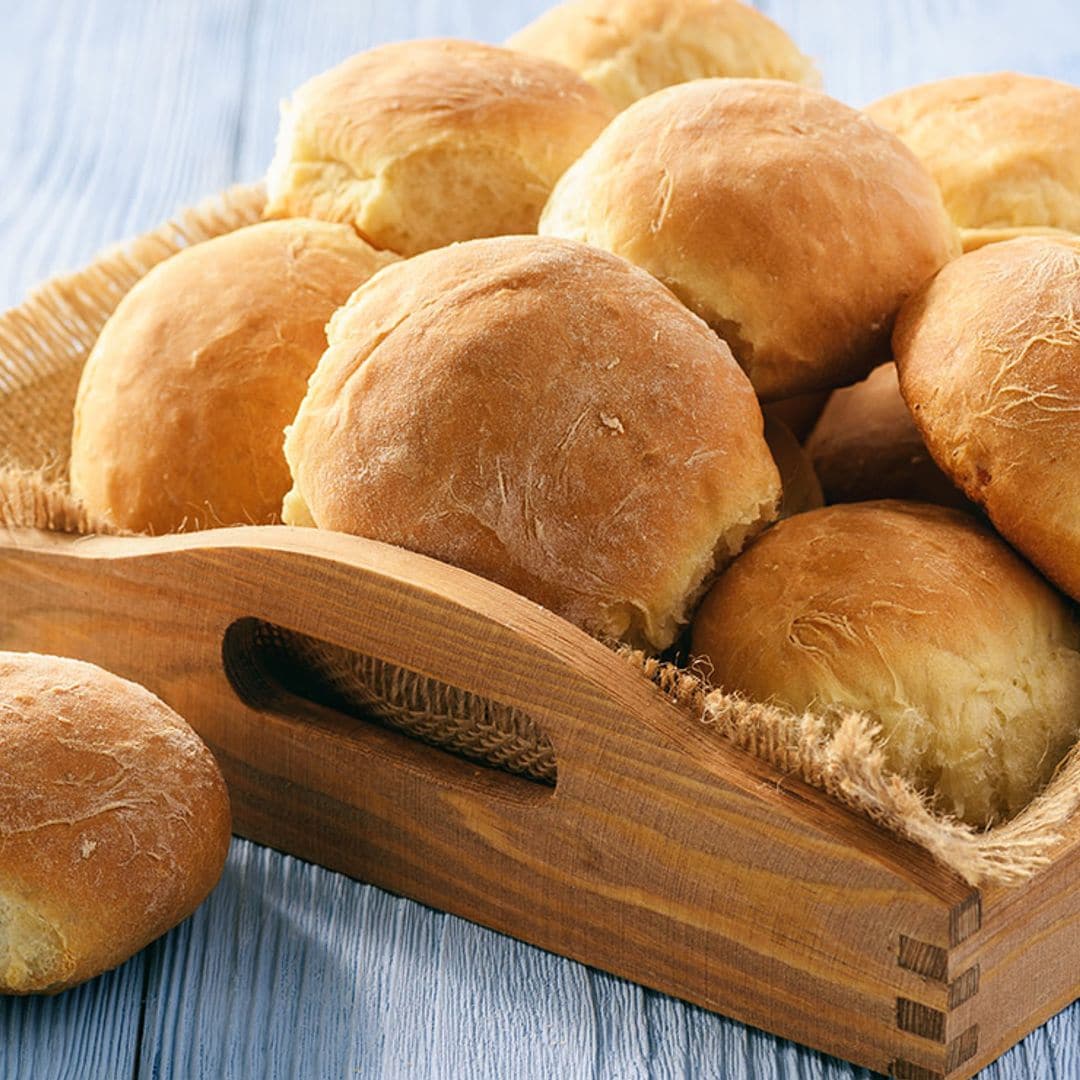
841, 754
30, 501
43, 346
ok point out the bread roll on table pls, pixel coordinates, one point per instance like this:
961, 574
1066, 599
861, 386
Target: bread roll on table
866, 446
1004, 148
422, 143
920, 618
629, 49
542, 414
114, 821
182, 405
792, 224
989, 362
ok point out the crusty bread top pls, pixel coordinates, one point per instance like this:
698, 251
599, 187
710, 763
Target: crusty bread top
1004, 148
114, 821
792, 224
920, 617
545, 415
629, 49
421, 143
989, 362
865, 445
183, 402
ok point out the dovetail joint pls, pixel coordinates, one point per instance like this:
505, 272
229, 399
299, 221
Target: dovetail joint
964, 987
930, 961
965, 919
964, 1047
919, 1019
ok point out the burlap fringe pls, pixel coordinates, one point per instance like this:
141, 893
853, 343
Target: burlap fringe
28, 500
43, 346
841, 754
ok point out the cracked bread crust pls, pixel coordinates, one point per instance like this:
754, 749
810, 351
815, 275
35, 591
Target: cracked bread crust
924, 620
183, 401
542, 414
114, 821
422, 143
989, 361
1004, 148
629, 49
791, 223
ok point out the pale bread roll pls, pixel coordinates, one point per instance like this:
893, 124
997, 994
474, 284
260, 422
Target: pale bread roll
114, 821
989, 362
799, 482
182, 405
422, 143
866, 446
629, 49
1004, 148
923, 620
792, 224
544, 415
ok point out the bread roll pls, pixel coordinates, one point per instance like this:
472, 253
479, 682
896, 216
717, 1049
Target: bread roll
989, 361
791, 223
1004, 148
799, 482
544, 415
921, 619
181, 409
866, 446
114, 821
629, 49
423, 143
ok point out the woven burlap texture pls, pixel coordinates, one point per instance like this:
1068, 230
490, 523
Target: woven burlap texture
43, 346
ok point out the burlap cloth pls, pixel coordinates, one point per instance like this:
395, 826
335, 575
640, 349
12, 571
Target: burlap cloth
43, 345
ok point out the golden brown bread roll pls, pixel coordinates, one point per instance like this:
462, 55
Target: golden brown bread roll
799, 482
544, 415
629, 49
923, 620
866, 446
792, 224
989, 362
422, 143
1004, 148
180, 413
114, 821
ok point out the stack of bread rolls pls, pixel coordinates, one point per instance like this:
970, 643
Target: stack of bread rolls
519, 308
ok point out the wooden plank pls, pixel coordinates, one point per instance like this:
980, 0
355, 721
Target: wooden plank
91, 1032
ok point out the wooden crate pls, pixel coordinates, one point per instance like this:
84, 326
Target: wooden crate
662, 853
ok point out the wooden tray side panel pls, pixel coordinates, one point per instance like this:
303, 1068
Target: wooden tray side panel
662, 854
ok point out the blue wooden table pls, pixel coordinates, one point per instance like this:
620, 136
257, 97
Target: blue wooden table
112, 115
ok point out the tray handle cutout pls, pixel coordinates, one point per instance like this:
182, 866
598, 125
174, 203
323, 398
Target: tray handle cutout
273, 669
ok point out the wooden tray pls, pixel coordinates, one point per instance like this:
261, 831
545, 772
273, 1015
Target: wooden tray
662, 853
